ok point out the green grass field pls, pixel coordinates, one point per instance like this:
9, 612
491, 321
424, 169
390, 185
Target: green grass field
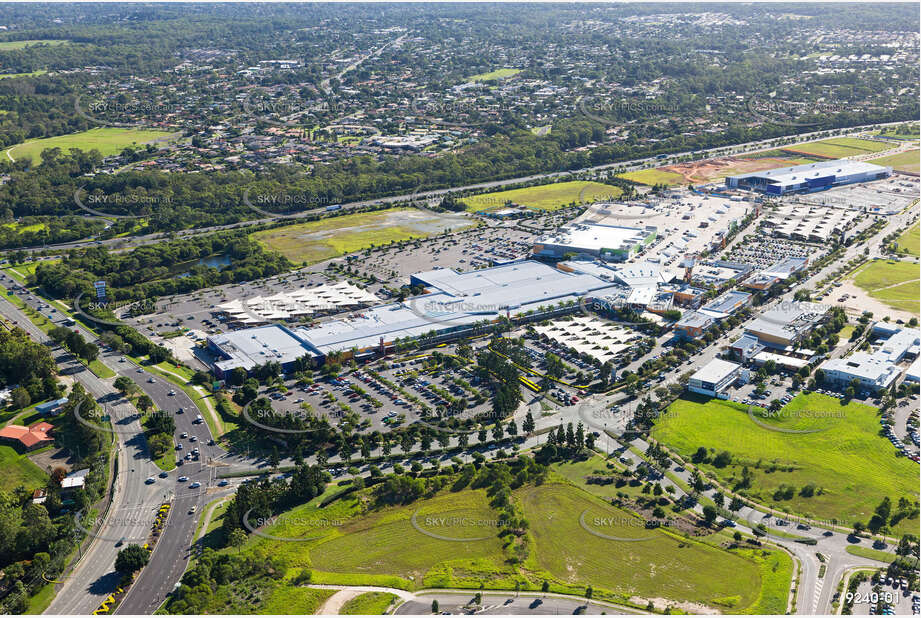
494, 75
30, 74
869, 552
852, 467
22, 271
101, 370
368, 604
107, 140
895, 283
663, 566
384, 547
19, 470
32, 227
545, 197
653, 177
11, 45
299, 601
911, 240
838, 147
316, 241
908, 161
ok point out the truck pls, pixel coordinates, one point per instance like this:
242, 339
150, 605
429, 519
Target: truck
334, 207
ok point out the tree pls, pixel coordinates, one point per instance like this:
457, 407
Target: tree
159, 444
124, 385
497, 431
21, 398
710, 514
144, 403
237, 538
131, 559
528, 425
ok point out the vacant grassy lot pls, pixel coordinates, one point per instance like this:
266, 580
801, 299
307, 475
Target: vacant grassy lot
546, 197
838, 147
107, 140
494, 75
10, 45
907, 161
295, 601
30, 74
31, 227
851, 466
316, 241
911, 240
385, 547
19, 470
386, 543
662, 566
894, 283
368, 604
654, 177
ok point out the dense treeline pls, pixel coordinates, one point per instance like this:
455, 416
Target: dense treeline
28, 364
152, 271
38, 540
255, 502
177, 201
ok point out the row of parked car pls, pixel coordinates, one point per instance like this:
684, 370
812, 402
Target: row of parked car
896, 441
565, 354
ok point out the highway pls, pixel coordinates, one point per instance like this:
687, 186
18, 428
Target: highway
749, 147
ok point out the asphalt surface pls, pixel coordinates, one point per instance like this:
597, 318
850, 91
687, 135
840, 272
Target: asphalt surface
504, 604
172, 552
133, 500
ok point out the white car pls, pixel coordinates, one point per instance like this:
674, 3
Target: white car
183, 479
171, 393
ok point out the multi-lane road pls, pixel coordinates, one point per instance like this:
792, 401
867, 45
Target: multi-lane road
135, 498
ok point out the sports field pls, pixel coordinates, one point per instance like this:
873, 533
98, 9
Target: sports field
894, 283
494, 75
545, 197
911, 240
19, 470
907, 161
316, 241
11, 45
850, 465
107, 140
838, 147
654, 177
451, 540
